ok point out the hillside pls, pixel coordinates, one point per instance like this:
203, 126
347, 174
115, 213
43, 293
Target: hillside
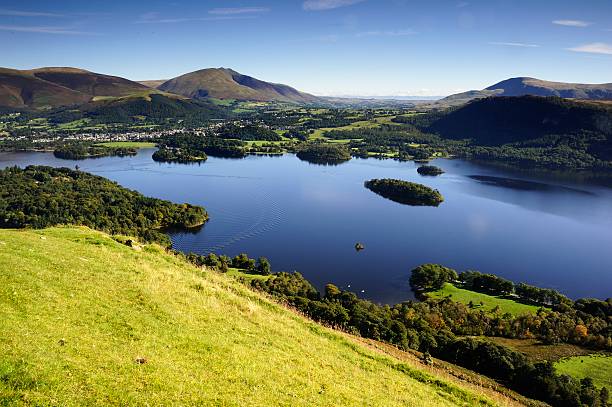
21, 89
534, 87
152, 83
223, 83
500, 120
88, 320
152, 104
54, 87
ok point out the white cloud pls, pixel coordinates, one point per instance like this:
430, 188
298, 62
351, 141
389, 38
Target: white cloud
594, 48
20, 13
392, 33
317, 5
515, 44
572, 23
154, 17
238, 10
44, 30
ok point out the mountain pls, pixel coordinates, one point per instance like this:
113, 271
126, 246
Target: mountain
134, 325
534, 87
223, 83
22, 89
54, 87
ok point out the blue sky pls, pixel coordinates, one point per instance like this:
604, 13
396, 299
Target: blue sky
327, 47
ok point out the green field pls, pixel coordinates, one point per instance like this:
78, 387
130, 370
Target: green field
597, 367
489, 301
128, 144
364, 124
86, 320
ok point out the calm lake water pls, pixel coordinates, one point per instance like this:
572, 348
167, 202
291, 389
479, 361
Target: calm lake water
548, 231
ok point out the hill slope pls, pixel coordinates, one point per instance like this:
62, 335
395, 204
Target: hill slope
500, 120
222, 83
87, 320
21, 89
54, 87
534, 87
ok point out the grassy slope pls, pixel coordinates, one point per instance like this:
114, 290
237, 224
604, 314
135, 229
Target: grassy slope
597, 367
490, 302
78, 308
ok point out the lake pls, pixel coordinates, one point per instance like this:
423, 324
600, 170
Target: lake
547, 230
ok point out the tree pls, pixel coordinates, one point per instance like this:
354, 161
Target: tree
431, 277
263, 266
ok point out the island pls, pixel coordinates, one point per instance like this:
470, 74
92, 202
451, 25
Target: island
81, 151
404, 192
177, 155
431, 170
327, 154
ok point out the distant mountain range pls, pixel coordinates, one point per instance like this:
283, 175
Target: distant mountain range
55, 87
533, 87
45, 88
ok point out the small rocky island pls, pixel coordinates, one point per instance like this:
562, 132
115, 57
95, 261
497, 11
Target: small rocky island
404, 192
328, 154
431, 170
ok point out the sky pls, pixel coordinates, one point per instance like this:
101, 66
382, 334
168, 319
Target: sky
325, 47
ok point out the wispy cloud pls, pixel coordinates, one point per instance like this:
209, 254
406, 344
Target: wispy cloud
594, 48
462, 4
515, 44
318, 5
572, 23
392, 33
23, 13
238, 10
44, 30
154, 17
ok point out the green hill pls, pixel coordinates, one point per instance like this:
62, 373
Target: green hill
88, 320
223, 83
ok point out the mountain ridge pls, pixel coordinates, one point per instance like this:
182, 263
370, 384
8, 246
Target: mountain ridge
528, 86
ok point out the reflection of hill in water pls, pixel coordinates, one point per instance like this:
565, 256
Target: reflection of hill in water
523, 185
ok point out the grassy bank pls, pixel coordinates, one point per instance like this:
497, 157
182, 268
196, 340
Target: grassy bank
87, 320
489, 302
597, 367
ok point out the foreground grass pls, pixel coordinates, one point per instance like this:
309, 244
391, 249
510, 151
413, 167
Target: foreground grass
597, 367
79, 310
128, 144
489, 302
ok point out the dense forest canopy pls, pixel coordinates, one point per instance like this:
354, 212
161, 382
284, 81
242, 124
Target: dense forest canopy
408, 193
81, 151
319, 153
39, 197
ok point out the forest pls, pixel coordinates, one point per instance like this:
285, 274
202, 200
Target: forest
38, 197
81, 151
404, 192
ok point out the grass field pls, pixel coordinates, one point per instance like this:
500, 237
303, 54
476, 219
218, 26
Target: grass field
85, 320
489, 301
128, 144
597, 367
364, 124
